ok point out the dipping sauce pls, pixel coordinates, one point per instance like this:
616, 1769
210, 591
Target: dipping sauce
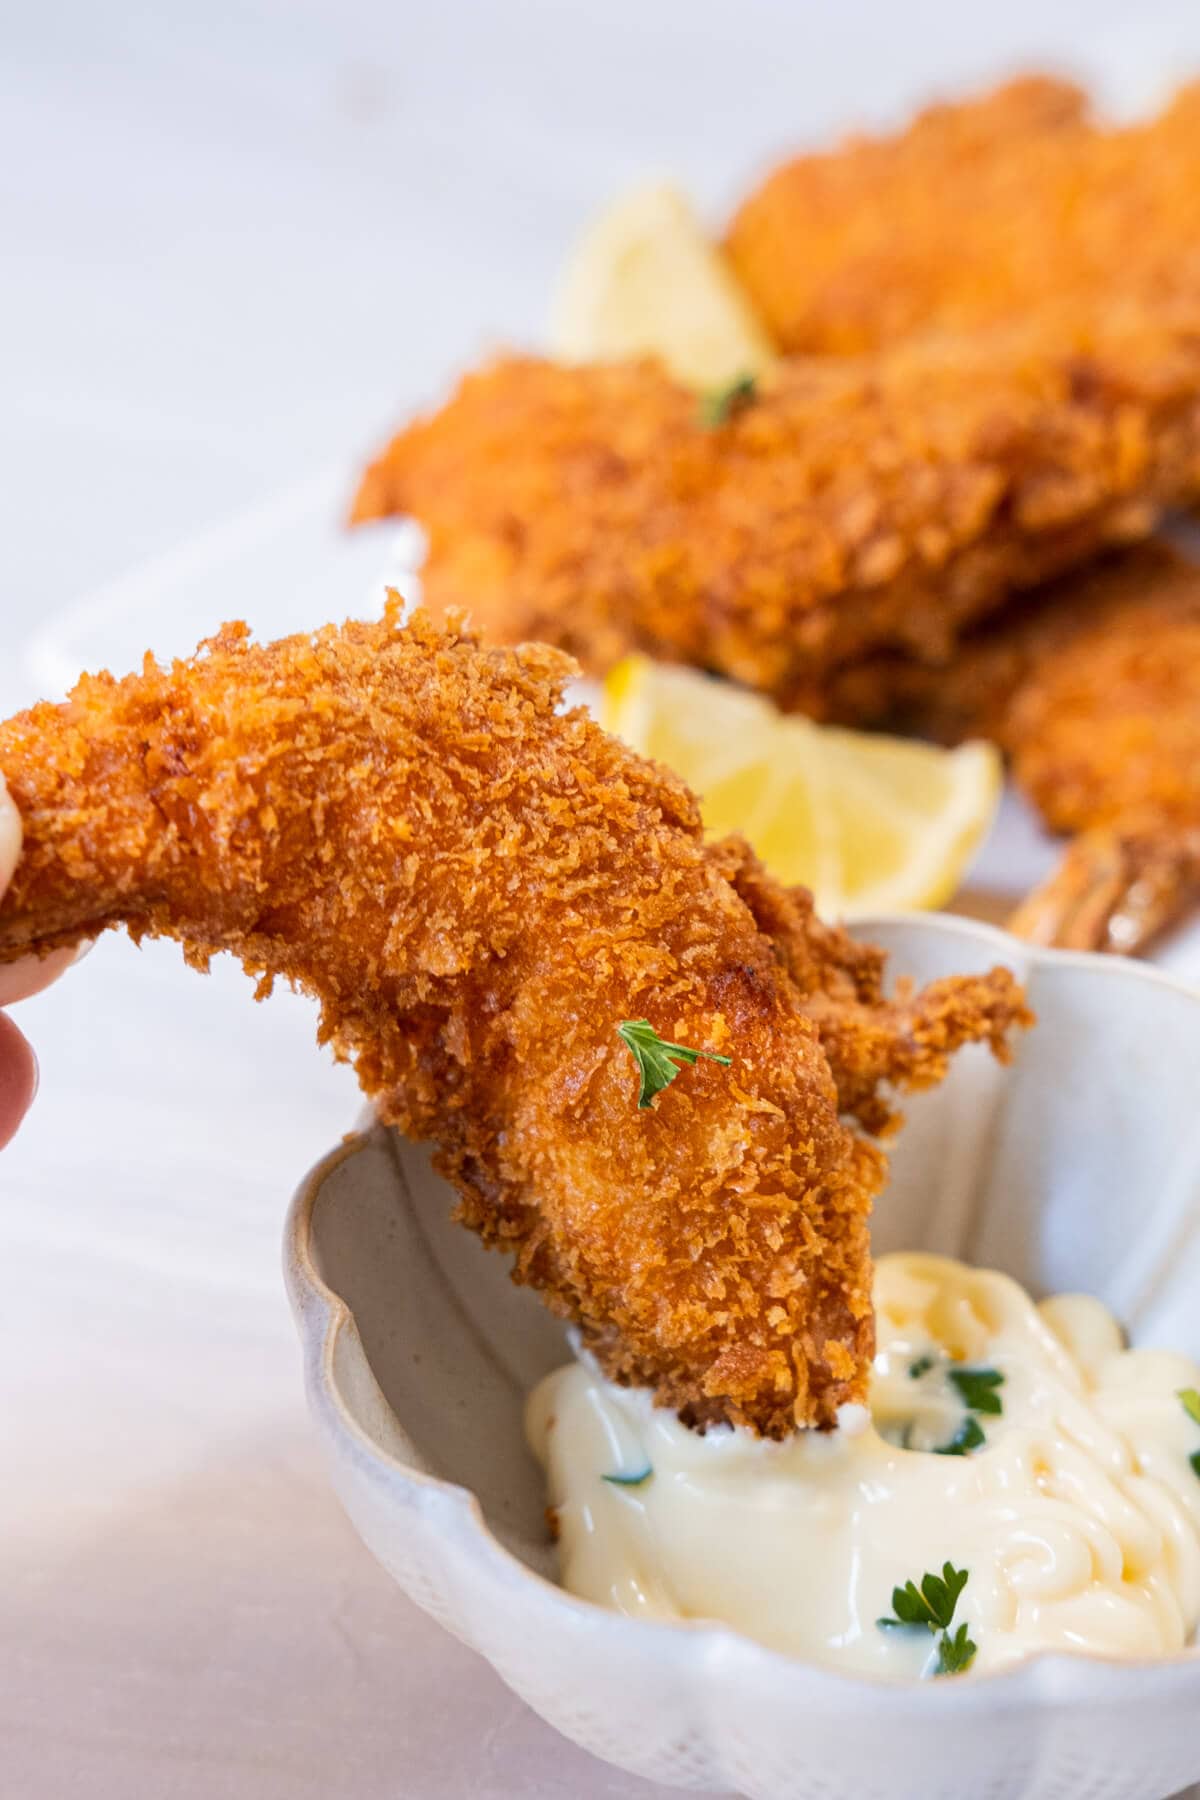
1020, 1443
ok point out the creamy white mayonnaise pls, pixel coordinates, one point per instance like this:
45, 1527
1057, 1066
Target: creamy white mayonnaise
1077, 1517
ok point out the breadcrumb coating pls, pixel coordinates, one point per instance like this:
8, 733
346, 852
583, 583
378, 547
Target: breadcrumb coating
1092, 687
477, 888
855, 507
977, 213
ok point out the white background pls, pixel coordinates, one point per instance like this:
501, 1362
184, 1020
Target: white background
238, 242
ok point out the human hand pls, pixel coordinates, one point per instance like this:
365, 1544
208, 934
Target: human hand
18, 1067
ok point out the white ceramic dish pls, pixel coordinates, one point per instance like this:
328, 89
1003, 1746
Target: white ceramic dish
1077, 1168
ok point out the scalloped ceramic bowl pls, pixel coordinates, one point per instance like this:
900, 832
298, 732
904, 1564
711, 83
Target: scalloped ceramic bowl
1077, 1168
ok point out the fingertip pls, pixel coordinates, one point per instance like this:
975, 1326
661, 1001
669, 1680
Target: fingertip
18, 1078
10, 836
21, 980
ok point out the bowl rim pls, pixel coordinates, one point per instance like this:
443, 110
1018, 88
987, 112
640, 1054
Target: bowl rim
1074, 1677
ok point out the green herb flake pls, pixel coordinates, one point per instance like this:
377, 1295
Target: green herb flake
968, 1437
658, 1062
921, 1367
932, 1606
1190, 1399
630, 1481
719, 405
955, 1653
978, 1388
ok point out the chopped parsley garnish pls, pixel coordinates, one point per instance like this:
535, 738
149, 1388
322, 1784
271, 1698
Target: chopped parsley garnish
658, 1062
978, 1388
955, 1653
643, 1475
968, 1437
719, 405
1191, 1406
932, 1605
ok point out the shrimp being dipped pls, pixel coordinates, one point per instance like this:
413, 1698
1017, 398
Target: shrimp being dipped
479, 889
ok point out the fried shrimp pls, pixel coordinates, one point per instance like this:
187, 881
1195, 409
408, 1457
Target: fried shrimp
1092, 688
978, 213
850, 508
478, 889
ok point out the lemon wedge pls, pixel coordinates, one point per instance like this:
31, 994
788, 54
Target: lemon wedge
646, 281
870, 823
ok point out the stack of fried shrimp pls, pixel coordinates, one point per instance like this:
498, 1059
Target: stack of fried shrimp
991, 379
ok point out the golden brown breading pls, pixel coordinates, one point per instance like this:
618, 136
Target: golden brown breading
977, 213
854, 507
1092, 687
478, 889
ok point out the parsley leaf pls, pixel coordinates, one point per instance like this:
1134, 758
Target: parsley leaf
658, 1062
719, 405
921, 1367
932, 1604
637, 1480
978, 1388
968, 1437
955, 1653
1191, 1406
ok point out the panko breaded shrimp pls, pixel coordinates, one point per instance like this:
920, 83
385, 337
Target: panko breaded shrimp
851, 507
1092, 688
977, 213
478, 889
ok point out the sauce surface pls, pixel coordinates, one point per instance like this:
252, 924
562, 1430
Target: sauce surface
1022, 1443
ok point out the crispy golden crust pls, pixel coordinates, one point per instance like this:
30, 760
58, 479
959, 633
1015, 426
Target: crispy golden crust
1093, 689
477, 889
977, 213
855, 507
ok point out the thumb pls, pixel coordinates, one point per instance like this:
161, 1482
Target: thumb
10, 836
29, 976
18, 1078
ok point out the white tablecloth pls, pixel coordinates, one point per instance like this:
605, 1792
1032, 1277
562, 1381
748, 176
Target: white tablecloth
239, 240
